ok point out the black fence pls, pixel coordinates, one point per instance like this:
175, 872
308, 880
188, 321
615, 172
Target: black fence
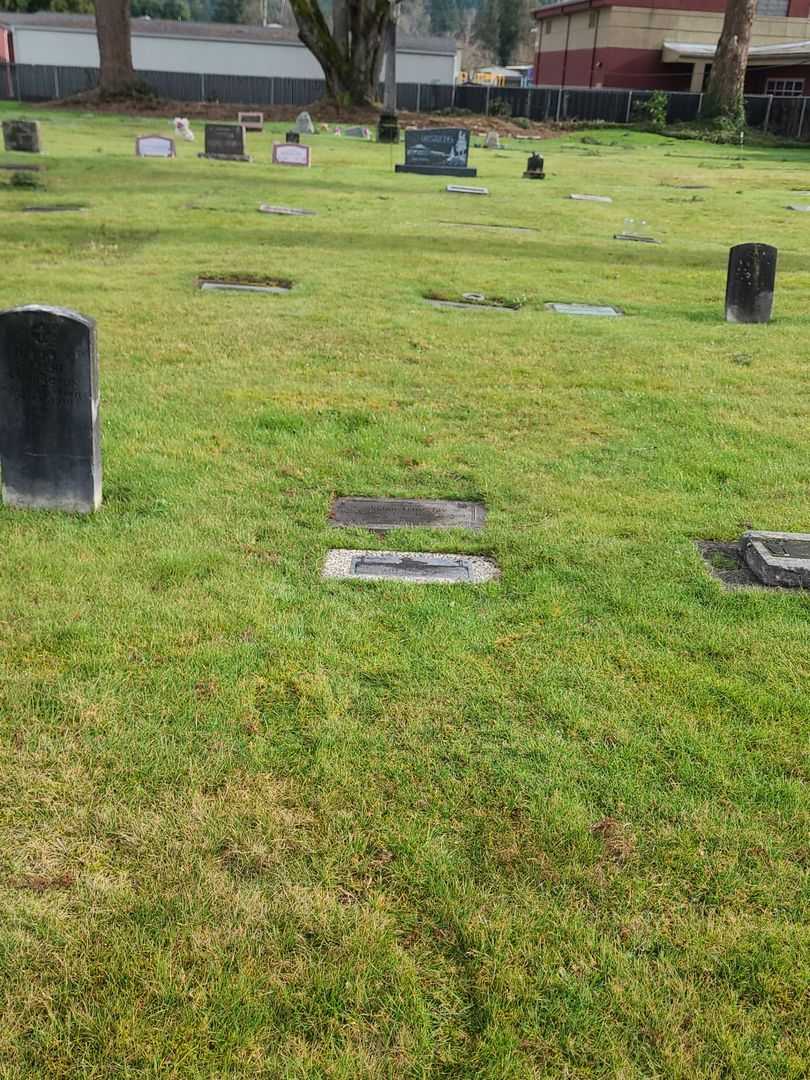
781, 116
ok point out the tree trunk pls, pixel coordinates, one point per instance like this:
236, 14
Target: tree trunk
351, 53
117, 74
724, 94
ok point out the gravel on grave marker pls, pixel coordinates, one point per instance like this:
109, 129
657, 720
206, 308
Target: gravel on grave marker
413, 567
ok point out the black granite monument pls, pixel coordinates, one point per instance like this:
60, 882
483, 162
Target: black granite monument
50, 453
388, 128
292, 137
22, 135
225, 142
750, 283
534, 168
437, 151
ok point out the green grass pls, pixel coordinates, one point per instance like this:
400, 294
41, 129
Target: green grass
257, 825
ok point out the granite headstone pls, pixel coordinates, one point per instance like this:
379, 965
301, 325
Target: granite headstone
442, 151
304, 125
50, 453
22, 135
225, 142
750, 283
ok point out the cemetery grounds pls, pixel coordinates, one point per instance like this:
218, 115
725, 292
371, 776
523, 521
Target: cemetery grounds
255, 824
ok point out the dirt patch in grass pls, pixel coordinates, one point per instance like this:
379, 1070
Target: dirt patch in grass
41, 883
322, 112
617, 838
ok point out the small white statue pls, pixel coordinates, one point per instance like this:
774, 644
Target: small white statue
181, 127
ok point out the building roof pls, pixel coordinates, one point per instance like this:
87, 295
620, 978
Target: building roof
793, 52
57, 20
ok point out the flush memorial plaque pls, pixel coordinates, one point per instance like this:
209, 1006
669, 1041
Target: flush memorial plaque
459, 189
750, 283
596, 310
287, 211
380, 515
637, 237
591, 198
225, 142
50, 455
415, 567
437, 151
22, 135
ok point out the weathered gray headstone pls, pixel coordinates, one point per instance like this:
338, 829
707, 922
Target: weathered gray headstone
304, 125
22, 135
414, 567
778, 558
380, 515
750, 283
225, 142
492, 141
356, 132
50, 453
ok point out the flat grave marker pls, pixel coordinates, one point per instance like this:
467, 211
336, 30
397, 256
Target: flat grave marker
356, 132
287, 211
412, 567
638, 238
225, 142
778, 558
437, 151
60, 208
291, 154
460, 189
251, 121
594, 310
380, 515
22, 136
803, 208
159, 146
50, 441
591, 198
274, 286
750, 283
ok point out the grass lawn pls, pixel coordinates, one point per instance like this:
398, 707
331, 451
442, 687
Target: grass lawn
254, 824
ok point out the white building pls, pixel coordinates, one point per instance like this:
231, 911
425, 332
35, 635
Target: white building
204, 48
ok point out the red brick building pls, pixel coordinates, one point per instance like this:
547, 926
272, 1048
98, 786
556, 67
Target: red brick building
667, 45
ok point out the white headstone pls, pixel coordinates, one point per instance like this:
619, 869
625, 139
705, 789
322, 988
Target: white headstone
154, 146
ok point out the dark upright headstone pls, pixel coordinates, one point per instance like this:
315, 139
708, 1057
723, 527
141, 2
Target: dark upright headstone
750, 283
50, 454
225, 142
434, 151
534, 168
292, 137
388, 128
21, 135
